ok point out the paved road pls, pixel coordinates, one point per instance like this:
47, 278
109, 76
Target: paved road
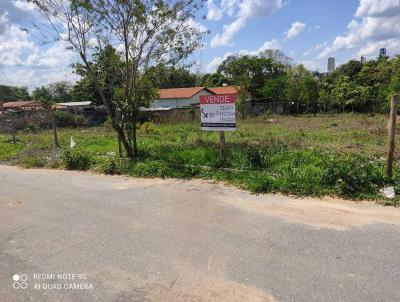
74, 236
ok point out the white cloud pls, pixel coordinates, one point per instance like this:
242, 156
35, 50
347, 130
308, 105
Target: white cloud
213, 65
378, 8
377, 23
310, 64
214, 13
242, 10
295, 30
22, 60
229, 32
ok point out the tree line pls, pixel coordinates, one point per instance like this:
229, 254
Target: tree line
270, 76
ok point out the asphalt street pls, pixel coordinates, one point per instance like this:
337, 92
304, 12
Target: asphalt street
74, 236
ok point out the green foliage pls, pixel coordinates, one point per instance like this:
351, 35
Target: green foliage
12, 93
58, 92
34, 161
149, 128
164, 77
250, 72
353, 176
111, 165
77, 160
339, 155
64, 119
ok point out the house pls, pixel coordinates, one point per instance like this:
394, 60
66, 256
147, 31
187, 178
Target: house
179, 97
186, 97
225, 90
21, 105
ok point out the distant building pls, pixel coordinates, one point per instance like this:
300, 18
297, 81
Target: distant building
382, 52
186, 97
331, 64
363, 60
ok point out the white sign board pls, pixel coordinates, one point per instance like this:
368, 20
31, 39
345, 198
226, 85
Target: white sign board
218, 112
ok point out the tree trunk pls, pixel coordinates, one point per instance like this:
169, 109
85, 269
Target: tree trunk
119, 146
107, 106
124, 141
134, 140
53, 124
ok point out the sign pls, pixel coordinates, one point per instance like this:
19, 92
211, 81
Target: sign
218, 112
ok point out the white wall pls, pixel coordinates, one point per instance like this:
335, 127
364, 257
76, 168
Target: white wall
177, 103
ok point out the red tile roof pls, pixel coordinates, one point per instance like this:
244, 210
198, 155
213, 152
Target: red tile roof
224, 90
178, 93
21, 104
186, 93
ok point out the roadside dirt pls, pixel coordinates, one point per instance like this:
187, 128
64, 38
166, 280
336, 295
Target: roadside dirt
318, 213
207, 290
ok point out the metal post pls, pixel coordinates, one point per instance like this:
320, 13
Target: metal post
222, 144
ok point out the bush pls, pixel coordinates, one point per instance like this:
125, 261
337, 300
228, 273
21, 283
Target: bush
33, 162
353, 176
75, 160
149, 128
64, 119
112, 165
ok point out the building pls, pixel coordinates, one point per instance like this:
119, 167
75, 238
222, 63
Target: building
21, 105
186, 97
382, 52
363, 60
331, 65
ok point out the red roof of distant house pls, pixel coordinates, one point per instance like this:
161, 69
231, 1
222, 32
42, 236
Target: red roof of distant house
224, 90
186, 93
178, 93
21, 105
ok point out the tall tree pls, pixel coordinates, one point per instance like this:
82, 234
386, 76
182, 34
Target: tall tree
164, 77
250, 72
146, 32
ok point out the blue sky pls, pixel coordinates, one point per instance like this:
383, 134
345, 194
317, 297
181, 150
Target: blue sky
309, 31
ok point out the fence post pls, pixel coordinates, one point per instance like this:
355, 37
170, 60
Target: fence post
222, 144
392, 135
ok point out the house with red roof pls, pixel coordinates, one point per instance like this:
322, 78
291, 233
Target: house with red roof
186, 97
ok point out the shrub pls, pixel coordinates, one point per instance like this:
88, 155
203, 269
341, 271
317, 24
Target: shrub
260, 183
64, 119
112, 165
33, 162
77, 160
149, 128
353, 176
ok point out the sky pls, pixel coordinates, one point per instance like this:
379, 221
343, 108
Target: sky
308, 31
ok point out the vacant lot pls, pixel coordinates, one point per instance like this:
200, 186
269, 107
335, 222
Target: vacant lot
342, 155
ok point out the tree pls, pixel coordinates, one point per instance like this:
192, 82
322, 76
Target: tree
61, 91
213, 80
146, 33
164, 77
351, 69
250, 72
301, 87
274, 88
345, 92
44, 96
11, 93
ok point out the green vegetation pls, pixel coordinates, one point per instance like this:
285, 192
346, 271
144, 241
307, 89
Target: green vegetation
11, 93
342, 155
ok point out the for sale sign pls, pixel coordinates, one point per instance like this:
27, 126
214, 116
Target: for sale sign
218, 112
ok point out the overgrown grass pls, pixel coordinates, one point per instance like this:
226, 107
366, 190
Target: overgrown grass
339, 155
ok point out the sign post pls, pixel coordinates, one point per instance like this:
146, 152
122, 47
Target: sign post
218, 113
